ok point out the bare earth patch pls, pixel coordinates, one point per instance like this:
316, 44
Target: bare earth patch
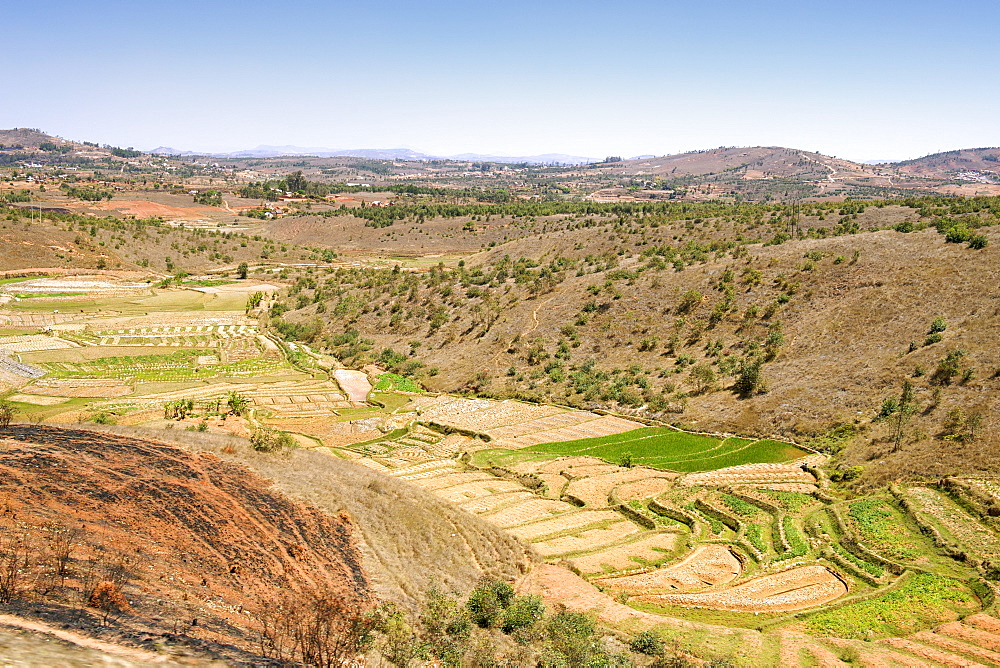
37, 400
354, 383
795, 589
643, 489
594, 490
587, 540
707, 565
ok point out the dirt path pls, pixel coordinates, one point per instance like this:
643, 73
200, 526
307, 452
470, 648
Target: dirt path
534, 319
83, 641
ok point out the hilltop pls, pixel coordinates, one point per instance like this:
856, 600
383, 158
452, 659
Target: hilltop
970, 164
759, 173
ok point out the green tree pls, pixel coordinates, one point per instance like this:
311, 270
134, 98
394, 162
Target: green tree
296, 182
238, 403
242, 270
906, 406
7, 413
703, 375
750, 377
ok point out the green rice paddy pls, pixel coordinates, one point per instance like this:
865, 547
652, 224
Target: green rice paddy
669, 449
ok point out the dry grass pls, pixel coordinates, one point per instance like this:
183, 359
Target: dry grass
398, 521
651, 548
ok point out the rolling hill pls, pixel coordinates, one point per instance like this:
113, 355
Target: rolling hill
589, 316
948, 164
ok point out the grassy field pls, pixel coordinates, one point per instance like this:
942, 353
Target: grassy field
921, 600
177, 366
389, 382
19, 279
163, 301
663, 448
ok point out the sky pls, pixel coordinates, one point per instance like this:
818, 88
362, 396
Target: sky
874, 80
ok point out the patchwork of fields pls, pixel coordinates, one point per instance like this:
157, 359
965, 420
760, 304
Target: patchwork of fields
710, 529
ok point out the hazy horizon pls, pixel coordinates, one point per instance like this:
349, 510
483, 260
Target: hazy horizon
874, 81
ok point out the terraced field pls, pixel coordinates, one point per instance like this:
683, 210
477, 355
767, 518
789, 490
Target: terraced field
514, 424
31, 343
674, 450
734, 546
761, 545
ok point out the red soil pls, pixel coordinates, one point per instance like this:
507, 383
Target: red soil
205, 539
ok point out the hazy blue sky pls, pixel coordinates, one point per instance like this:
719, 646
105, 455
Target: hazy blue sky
860, 80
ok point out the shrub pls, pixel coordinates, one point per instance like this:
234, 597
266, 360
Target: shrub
703, 376
749, 377
522, 613
957, 234
948, 367
108, 598
938, 325
647, 642
689, 300
977, 241
104, 418
268, 439
488, 602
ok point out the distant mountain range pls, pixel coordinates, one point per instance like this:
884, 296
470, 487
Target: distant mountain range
265, 151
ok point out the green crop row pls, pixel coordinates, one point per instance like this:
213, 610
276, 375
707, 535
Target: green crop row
920, 601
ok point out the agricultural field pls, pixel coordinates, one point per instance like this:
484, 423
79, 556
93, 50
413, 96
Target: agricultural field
125, 350
918, 601
674, 450
661, 525
515, 424
952, 525
766, 545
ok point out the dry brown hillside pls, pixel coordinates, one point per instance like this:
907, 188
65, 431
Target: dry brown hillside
200, 547
946, 165
187, 543
394, 522
752, 162
627, 332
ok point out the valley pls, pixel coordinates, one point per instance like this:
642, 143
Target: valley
761, 431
